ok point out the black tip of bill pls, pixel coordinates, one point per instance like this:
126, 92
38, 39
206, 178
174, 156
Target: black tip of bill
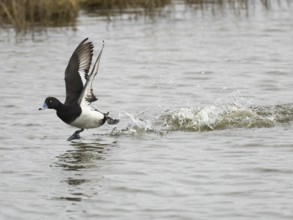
45, 106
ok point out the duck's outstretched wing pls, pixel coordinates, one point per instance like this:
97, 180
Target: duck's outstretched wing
87, 95
79, 62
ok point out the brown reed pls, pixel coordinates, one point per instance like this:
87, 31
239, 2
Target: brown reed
25, 14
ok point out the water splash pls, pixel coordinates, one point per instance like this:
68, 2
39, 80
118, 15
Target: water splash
215, 118
133, 124
207, 118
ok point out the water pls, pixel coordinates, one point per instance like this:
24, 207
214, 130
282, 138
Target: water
205, 103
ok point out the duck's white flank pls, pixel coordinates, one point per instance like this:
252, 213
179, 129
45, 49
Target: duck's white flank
89, 118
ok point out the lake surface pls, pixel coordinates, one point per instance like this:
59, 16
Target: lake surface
205, 107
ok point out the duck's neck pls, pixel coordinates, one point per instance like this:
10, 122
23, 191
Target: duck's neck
59, 106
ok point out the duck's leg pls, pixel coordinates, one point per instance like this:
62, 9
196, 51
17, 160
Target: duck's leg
75, 135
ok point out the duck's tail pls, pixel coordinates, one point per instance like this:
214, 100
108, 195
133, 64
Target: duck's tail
110, 120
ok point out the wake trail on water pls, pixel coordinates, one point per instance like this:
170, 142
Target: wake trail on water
203, 119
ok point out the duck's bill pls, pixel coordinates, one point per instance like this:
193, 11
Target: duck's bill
45, 106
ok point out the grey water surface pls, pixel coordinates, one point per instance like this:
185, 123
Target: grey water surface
205, 107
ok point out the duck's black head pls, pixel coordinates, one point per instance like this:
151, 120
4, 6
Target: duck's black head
51, 103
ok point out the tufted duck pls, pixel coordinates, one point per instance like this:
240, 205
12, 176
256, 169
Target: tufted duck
76, 111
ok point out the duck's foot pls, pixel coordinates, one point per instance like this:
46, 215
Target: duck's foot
75, 135
111, 121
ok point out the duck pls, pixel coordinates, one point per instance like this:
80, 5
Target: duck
77, 111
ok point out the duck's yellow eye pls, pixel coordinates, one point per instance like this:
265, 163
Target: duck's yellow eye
50, 101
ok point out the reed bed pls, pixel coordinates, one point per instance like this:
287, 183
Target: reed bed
122, 4
111, 8
27, 14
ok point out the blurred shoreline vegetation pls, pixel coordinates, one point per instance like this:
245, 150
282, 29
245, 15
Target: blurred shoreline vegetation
24, 15
28, 15
112, 8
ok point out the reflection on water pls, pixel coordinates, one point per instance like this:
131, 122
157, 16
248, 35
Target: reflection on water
82, 156
236, 6
76, 163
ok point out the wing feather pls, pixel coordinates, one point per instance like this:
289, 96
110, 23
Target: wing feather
87, 96
80, 61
